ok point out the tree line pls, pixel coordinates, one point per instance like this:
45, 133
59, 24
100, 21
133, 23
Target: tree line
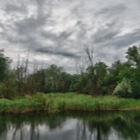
121, 78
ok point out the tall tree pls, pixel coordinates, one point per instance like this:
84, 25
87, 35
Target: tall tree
4, 65
129, 81
97, 74
133, 56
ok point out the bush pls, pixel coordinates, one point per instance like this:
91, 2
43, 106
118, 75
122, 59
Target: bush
8, 88
123, 89
39, 99
136, 89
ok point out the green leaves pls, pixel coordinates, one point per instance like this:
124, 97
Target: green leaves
128, 77
124, 88
133, 56
4, 66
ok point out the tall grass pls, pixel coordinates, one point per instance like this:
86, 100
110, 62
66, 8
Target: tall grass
56, 102
23, 105
79, 102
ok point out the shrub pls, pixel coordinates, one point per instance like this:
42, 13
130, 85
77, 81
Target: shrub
39, 98
123, 89
8, 88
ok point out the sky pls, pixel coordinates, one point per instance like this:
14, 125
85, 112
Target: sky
58, 31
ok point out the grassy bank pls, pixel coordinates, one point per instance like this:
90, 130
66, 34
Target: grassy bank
66, 102
23, 105
72, 102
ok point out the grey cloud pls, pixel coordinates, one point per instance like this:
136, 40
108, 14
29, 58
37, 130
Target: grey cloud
58, 38
124, 41
40, 6
108, 36
31, 32
114, 49
107, 32
112, 23
114, 10
28, 26
65, 35
104, 35
15, 8
57, 52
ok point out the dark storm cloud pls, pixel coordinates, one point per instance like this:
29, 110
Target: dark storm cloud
127, 40
57, 38
108, 33
57, 52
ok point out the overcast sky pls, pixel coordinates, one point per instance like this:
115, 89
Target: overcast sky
58, 31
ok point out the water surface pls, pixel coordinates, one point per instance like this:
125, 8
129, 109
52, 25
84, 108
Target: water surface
71, 126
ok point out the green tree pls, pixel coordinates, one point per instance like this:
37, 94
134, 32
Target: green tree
4, 66
133, 56
111, 78
97, 74
8, 88
128, 77
53, 78
124, 88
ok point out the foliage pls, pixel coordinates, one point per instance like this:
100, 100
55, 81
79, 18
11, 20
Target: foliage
79, 102
23, 105
4, 66
123, 89
133, 56
97, 74
121, 79
8, 88
53, 103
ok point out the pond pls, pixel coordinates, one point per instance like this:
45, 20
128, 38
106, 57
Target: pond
71, 126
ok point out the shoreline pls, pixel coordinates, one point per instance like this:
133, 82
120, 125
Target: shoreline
58, 102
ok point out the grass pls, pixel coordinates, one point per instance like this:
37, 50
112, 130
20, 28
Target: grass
56, 102
73, 102
22, 105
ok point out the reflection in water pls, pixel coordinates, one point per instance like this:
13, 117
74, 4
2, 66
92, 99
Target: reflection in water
93, 126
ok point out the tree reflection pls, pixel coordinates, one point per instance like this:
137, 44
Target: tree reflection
126, 125
100, 126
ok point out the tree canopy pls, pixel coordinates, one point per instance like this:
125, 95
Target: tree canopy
120, 79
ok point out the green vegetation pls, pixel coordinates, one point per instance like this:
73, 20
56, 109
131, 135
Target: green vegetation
23, 104
53, 103
79, 102
101, 84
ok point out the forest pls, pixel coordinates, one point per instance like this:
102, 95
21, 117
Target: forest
120, 79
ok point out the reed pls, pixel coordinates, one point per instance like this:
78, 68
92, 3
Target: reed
79, 102
57, 102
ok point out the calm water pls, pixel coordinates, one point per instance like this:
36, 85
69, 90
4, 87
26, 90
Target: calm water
91, 126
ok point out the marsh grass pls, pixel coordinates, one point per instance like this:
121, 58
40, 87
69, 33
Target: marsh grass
22, 105
79, 102
56, 102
